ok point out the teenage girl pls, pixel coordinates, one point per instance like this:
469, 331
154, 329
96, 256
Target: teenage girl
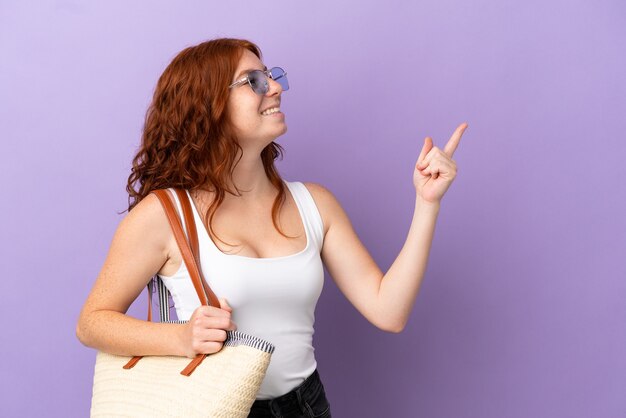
210, 130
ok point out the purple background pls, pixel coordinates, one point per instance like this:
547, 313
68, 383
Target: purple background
522, 311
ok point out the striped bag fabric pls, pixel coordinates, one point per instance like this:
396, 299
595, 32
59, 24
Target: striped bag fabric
223, 384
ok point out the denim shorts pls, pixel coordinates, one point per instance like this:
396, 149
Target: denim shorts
306, 400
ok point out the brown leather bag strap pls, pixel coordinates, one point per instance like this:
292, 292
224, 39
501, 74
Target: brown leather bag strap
183, 245
192, 234
192, 237
192, 267
190, 224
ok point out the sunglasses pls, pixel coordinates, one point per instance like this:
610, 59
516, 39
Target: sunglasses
259, 82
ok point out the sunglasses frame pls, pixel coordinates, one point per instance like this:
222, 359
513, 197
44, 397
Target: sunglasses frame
267, 73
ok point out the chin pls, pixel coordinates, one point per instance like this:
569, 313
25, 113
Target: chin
281, 132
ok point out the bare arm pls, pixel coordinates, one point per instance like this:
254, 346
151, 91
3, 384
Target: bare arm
400, 285
142, 244
385, 300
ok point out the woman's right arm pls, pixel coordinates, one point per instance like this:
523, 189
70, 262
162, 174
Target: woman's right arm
142, 244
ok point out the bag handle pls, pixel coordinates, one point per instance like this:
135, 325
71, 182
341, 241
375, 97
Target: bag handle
205, 295
192, 237
192, 233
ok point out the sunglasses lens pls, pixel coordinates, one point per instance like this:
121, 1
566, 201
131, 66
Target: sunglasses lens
278, 75
258, 81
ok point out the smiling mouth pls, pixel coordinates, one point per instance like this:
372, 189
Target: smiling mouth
271, 111
274, 114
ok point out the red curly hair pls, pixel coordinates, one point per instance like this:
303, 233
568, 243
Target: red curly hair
188, 140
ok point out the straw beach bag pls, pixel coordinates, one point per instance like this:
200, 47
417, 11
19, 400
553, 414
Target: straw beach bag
223, 384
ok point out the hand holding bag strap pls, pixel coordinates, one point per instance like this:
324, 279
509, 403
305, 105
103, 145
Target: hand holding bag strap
192, 234
191, 266
196, 270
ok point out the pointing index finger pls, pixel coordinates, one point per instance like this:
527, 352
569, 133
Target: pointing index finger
453, 143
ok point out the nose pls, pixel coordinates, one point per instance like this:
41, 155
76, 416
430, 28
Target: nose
274, 87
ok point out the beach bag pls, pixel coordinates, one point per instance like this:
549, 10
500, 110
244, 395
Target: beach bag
223, 384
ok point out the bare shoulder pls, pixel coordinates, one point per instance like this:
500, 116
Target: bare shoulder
147, 222
148, 212
328, 205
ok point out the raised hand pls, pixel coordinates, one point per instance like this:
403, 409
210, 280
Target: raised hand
435, 170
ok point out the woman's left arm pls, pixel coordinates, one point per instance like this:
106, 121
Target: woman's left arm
386, 300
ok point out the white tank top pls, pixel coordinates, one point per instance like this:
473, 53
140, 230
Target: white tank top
272, 298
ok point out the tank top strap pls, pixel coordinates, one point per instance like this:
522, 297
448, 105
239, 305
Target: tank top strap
310, 214
179, 209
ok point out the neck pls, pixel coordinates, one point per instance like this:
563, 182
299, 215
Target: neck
249, 176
